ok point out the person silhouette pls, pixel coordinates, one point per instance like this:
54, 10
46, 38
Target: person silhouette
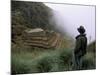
80, 47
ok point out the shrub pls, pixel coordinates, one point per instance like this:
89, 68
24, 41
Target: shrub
43, 65
66, 56
55, 61
50, 61
89, 61
19, 66
45, 62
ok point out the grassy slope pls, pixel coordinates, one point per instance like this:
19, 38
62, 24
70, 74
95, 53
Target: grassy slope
25, 59
41, 60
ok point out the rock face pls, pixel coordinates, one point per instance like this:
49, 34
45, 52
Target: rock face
41, 38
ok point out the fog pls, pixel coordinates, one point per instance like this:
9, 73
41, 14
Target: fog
70, 17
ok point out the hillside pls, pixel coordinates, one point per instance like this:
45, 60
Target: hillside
36, 45
28, 15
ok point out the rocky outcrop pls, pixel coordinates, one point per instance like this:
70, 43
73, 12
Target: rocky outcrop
41, 38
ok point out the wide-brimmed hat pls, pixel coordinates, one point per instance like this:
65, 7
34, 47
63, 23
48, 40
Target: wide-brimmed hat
81, 29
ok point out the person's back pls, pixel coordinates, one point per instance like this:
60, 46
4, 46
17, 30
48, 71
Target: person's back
81, 45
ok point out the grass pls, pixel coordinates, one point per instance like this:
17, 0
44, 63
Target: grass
29, 60
24, 62
20, 66
89, 61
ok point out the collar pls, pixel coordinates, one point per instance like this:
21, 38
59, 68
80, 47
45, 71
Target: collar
80, 35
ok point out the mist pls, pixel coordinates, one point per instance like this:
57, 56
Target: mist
69, 17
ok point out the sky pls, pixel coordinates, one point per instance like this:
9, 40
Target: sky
70, 17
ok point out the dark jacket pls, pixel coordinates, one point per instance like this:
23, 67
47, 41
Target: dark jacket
81, 44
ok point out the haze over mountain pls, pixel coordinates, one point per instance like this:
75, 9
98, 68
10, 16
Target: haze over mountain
30, 15
40, 39
70, 17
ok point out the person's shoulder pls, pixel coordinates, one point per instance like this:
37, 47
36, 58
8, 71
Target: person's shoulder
77, 36
81, 36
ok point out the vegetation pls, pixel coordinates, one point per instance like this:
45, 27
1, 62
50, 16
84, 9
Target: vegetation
26, 59
37, 61
47, 61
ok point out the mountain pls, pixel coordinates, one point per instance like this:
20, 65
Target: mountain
29, 15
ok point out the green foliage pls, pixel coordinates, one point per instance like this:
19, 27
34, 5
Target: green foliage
43, 65
49, 61
20, 66
30, 14
92, 47
28, 60
66, 57
89, 61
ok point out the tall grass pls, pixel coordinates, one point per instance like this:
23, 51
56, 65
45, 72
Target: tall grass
48, 61
20, 66
89, 61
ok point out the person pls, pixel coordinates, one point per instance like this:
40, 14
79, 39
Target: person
80, 48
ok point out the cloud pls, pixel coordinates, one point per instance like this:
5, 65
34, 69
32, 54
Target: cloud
70, 17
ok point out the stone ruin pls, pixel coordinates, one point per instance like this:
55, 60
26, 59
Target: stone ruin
41, 38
